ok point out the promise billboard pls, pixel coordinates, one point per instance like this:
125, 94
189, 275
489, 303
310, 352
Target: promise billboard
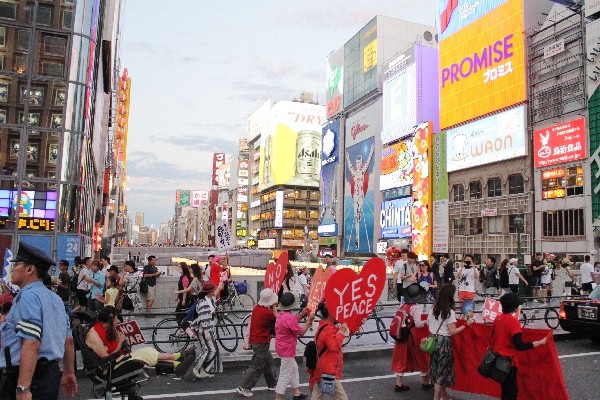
482, 66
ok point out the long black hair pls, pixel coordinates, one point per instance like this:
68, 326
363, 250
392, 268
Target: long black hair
107, 314
445, 301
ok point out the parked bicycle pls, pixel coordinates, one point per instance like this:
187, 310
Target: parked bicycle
550, 314
239, 302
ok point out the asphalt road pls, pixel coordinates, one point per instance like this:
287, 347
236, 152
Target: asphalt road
367, 375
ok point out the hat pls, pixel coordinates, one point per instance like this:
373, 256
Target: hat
287, 302
34, 256
113, 268
208, 287
267, 298
415, 293
513, 261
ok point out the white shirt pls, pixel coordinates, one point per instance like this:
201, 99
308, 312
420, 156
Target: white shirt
466, 280
586, 270
399, 269
546, 276
81, 283
434, 323
300, 282
513, 275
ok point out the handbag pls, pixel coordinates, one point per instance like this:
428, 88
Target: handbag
127, 303
428, 345
327, 383
494, 366
144, 286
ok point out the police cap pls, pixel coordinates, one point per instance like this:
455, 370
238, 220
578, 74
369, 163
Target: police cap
34, 256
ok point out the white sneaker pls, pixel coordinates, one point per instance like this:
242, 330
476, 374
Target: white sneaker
201, 374
243, 392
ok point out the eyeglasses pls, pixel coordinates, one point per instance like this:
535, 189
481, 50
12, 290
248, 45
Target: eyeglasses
420, 265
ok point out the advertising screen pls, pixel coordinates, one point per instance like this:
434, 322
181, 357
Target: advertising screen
359, 195
363, 124
218, 160
329, 179
295, 129
397, 165
439, 180
457, 14
421, 208
36, 204
335, 82
560, 144
360, 64
400, 104
396, 218
496, 138
482, 66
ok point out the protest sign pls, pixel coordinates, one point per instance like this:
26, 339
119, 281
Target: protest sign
132, 333
224, 240
492, 308
276, 272
317, 288
351, 297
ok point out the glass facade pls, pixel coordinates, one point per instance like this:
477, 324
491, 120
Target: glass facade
49, 62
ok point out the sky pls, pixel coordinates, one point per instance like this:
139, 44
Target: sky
198, 68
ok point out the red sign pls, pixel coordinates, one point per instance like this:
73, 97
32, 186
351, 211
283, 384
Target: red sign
317, 288
132, 333
492, 308
560, 144
351, 297
276, 272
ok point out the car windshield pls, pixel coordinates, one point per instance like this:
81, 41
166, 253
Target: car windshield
595, 293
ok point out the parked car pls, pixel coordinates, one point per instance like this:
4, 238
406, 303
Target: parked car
581, 316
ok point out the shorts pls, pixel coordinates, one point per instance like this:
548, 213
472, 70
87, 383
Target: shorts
587, 287
462, 296
490, 290
536, 281
82, 297
151, 295
514, 288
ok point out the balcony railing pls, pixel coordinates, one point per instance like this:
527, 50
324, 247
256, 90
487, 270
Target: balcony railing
490, 244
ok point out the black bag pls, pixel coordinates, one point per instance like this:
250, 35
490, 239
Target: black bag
144, 286
494, 366
127, 303
73, 283
310, 352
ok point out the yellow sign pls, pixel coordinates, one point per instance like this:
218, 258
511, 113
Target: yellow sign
36, 224
370, 56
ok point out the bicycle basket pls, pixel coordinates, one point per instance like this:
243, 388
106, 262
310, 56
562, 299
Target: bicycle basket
241, 287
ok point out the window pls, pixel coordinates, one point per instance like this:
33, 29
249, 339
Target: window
494, 187
560, 223
52, 69
574, 180
1, 61
562, 182
494, 225
476, 226
475, 190
512, 228
55, 46
458, 227
44, 15
8, 10
2, 36
516, 184
20, 64
67, 18
23, 40
459, 192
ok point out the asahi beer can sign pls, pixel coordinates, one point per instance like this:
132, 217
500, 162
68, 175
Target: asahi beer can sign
308, 161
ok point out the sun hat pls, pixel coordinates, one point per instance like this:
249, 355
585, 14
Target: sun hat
207, 287
267, 298
287, 302
415, 293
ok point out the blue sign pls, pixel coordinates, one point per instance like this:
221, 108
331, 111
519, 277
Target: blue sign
67, 248
455, 15
329, 177
396, 218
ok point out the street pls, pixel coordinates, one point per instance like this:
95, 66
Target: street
367, 375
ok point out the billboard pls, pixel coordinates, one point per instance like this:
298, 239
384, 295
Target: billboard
360, 64
199, 197
278, 209
439, 189
218, 160
397, 165
223, 175
395, 219
258, 120
295, 129
359, 196
329, 179
456, 14
363, 124
421, 209
244, 148
482, 66
560, 144
496, 138
400, 104
335, 82
183, 198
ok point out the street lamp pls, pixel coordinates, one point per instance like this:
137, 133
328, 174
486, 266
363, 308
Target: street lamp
519, 224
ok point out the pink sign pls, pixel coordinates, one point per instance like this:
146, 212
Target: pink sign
560, 144
492, 308
276, 273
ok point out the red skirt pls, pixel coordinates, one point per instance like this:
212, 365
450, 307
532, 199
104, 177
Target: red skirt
408, 357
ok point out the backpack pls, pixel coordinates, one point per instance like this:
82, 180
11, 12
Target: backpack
74, 282
401, 325
504, 277
310, 352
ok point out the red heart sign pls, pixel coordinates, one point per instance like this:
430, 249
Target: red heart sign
351, 297
276, 272
317, 288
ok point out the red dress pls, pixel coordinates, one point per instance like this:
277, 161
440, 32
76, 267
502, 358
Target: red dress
408, 356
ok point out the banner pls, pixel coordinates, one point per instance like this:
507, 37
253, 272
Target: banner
559, 144
329, 179
421, 209
441, 220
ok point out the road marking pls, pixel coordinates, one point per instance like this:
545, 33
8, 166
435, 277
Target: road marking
366, 378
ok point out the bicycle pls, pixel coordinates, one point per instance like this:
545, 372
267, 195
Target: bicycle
381, 329
550, 315
239, 302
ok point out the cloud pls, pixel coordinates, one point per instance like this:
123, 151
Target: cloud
229, 145
141, 48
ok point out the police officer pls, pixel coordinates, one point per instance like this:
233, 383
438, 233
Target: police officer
36, 335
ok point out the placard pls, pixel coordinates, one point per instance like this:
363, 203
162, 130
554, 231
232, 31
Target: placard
224, 240
317, 288
132, 333
276, 272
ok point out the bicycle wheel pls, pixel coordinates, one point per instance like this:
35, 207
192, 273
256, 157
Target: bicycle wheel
242, 304
523, 319
382, 329
346, 340
227, 334
551, 318
245, 322
169, 329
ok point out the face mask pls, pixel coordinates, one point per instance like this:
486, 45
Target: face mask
468, 264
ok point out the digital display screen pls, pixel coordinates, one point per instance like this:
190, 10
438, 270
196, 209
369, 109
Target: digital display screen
33, 204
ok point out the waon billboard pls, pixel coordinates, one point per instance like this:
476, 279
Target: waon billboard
559, 144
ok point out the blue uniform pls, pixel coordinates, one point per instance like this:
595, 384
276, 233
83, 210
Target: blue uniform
37, 314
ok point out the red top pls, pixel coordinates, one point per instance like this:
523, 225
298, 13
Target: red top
111, 346
215, 273
332, 360
504, 328
259, 324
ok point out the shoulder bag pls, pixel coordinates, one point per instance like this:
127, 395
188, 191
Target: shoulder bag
494, 366
144, 286
428, 345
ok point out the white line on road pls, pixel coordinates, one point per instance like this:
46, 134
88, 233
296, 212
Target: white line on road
366, 378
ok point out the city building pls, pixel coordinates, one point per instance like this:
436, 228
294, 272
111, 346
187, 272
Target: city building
56, 78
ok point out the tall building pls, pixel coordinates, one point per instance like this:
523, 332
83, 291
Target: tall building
56, 77
139, 218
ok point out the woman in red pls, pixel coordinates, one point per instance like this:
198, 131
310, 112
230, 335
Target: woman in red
216, 271
408, 356
507, 339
